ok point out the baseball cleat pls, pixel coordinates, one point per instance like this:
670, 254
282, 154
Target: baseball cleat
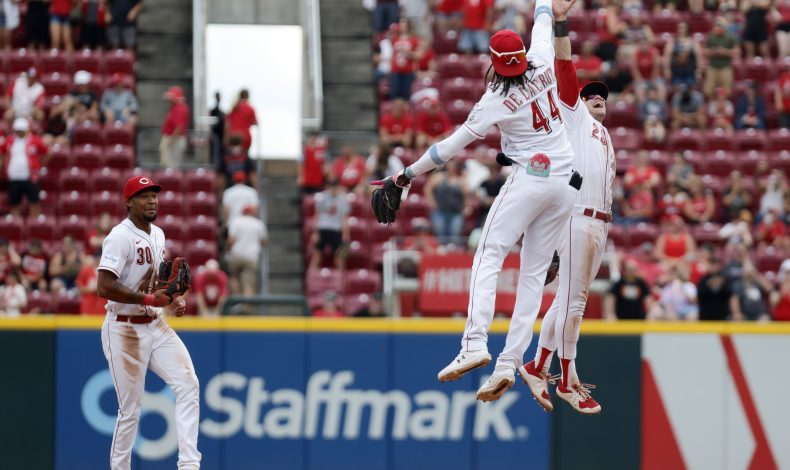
538, 383
501, 380
463, 363
578, 396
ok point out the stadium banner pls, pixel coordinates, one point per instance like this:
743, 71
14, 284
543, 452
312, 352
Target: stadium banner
26, 399
304, 400
444, 283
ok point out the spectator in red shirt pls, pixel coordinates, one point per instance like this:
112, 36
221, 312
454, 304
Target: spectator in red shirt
422, 240
211, 289
174, 129
781, 301
672, 203
25, 97
313, 168
348, 168
236, 160
59, 25
34, 267
771, 231
646, 71
782, 99
22, 155
90, 302
588, 65
240, 119
700, 206
9, 258
329, 309
405, 48
639, 205
478, 15
396, 128
449, 14
642, 173
433, 124
609, 29
674, 243
721, 112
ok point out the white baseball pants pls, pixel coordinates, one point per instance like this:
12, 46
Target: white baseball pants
537, 208
581, 252
132, 349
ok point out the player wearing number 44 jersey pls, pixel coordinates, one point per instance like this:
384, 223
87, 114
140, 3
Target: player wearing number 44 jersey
584, 236
135, 336
535, 201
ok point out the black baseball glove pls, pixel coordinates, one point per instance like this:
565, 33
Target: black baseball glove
386, 201
554, 269
174, 277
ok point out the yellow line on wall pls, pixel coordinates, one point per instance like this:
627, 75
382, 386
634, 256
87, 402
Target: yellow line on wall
388, 325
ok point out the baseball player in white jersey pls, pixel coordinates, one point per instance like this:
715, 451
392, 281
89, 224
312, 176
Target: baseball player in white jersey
584, 237
535, 201
135, 335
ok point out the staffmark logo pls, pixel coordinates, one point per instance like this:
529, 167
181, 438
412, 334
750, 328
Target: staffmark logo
330, 408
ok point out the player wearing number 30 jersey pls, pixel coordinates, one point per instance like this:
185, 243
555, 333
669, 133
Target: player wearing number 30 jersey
535, 201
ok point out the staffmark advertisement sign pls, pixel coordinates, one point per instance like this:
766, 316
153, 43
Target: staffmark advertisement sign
293, 401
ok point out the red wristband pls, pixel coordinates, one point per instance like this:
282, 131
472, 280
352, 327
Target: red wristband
148, 299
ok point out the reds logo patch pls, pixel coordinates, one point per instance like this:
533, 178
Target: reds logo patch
144, 180
539, 165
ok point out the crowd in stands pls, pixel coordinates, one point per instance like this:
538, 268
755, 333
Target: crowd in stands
699, 110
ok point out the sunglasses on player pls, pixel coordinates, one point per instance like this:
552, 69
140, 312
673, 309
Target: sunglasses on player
517, 56
592, 97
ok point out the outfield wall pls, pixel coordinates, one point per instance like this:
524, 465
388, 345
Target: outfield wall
330, 394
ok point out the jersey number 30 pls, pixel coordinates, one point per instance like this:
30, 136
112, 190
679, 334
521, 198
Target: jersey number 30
144, 256
539, 121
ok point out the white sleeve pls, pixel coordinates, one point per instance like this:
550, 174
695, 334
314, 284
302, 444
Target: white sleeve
542, 43
114, 254
439, 153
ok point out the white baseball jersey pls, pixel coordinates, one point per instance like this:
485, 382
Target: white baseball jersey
134, 257
529, 117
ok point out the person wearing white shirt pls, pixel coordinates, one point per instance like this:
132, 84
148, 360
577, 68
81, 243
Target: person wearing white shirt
246, 235
27, 93
12, 296
237, 197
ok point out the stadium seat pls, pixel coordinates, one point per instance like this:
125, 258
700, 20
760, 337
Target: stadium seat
21, 59
38, 302
48, 180
170, 179
354, 303
87, 132
579, 22
721, 163
458, 88
200, 251
88, 156
707, 233
758, 69
174, 248
781, 160
699, 22
174, 227
66, 303
359, 229
119, 133
476, 66
380, 233
47, 203
770, 259
358, 256
418, 186
59, 158
200, 180
445, 42
626, 139
686, 139
12, 228
201, 203
622, 115
406, 156
41, 227
660, 159
323, 280
74, 179
53, 60
106, 179
73, 226
623, 161
641, 233
171, 203
120, 61
779, 138
451, 66
697, 159
110, 202
73, 203
87, 60
665, 21
718, 139
358, 206
458, 110
361, 281
751, 139
201, 228
120, 157
56, 83
414, 206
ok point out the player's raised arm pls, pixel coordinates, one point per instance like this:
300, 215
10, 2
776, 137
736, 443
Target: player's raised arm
437, 154
542, 31
567, 83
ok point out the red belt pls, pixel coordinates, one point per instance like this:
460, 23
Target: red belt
590, 212
137, 319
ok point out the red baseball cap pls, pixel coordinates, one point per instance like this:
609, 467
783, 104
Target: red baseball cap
175, 93
116, 79
508, 53
135, 184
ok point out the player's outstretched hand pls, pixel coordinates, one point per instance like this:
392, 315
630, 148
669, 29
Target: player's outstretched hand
179, 306
560, 8
162, 298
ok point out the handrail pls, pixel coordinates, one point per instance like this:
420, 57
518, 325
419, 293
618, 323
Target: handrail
312, 23
266, 300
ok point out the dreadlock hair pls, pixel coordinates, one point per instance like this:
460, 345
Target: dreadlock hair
507, 82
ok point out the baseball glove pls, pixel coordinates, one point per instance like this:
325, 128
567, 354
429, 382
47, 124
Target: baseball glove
554, 269
386, 201
174, 277
503, 159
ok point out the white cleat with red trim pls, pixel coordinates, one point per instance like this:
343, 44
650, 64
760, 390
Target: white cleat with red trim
463, 363
538, 383
578, 396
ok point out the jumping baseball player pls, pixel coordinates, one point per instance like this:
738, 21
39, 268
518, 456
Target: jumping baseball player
584, 236
135, 336
535, 202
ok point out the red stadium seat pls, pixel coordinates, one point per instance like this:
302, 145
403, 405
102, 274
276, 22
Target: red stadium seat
89, 156
38, 302
170, 179
120, 61
323, 280
56, 83
476, 66
359, 229
751, 139
59, 157
67, 303
201, 228
174, 248
721, 163
779, 138
48, 180
623, 161
47, 203
380, 233
106, 179
74, 179
781, 160
358, 256
21, 59
641, 233
686, 139
458, 88
445, 42
699, 22
200, 251
414, 206
87, 60
120, 157
119, 133
73, 203
359, 207
458, 110
354, 303
660, 160
87, 132
110, 202
451, 66
626, 139
697, 159
622, 115
73, 226
707, 233
202, 203
750, 159
200, 180
665, 21
770, 259
361, 281
53, 60
41, 227
717, 139
97, 84
12, 228
758, 69
173, 226
579, 22
171, 203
